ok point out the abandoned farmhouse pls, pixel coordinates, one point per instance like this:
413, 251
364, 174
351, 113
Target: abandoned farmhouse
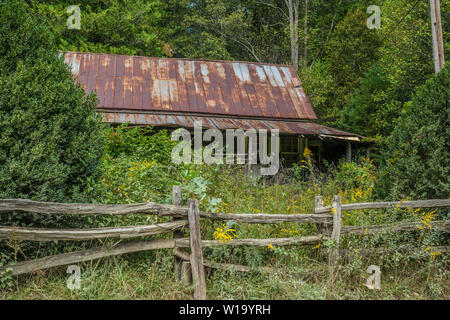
171, 93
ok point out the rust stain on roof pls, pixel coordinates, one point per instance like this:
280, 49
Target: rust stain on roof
234, 89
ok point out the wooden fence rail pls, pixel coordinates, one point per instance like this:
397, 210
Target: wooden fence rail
8, 205
41, 234
145, 245
190, 266
151, 208
435, 203
443, 225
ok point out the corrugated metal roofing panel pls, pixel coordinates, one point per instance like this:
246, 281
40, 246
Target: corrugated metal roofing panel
245, 89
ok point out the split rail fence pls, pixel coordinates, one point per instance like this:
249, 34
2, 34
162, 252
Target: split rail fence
190, 266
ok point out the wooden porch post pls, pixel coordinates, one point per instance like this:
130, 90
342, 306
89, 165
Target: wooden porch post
349, 151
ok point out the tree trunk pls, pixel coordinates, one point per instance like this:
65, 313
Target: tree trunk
305, 53
293, 29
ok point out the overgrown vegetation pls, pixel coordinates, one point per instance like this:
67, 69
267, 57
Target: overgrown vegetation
410, 268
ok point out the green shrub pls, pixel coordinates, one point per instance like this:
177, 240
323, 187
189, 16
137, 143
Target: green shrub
415, 163
51, 140
354, 176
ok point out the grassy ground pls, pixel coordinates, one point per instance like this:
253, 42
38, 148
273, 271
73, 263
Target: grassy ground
150, 276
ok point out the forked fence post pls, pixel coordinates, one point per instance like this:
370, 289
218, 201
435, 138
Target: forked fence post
336, 234
322, 228
197, 267
176, 200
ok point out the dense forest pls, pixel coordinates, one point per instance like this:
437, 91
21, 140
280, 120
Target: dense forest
376, 82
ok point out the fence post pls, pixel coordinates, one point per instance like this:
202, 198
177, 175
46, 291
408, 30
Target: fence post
336, 234
186, 273
198, 270
323, 228
176, 200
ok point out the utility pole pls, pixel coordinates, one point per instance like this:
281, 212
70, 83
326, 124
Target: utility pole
436, 29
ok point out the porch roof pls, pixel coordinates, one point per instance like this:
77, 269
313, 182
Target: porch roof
222, 123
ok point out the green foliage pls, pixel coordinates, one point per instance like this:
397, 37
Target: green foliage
128, 181
352, 175
136, 166
415, 164
123, 27
321, 87
139, 143
207, 29
6, 280
352, 50
367, 111
50, 138
403, 63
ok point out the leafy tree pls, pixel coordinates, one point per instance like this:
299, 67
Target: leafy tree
131, 27
417, 150
51, 140
366, 111
403, 64
321, 88
350, 53
209, 29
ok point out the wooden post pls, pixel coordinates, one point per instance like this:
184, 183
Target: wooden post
249, 154
349, 151
176, 200
336, 234
321, 227
186, 273
436, 31
198, 270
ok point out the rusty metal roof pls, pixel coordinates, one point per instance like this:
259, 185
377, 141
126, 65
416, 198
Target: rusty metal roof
285, 127
242, 89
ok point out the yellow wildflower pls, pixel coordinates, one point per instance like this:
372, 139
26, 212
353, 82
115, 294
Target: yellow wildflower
434, 254
224, 234
307, 152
